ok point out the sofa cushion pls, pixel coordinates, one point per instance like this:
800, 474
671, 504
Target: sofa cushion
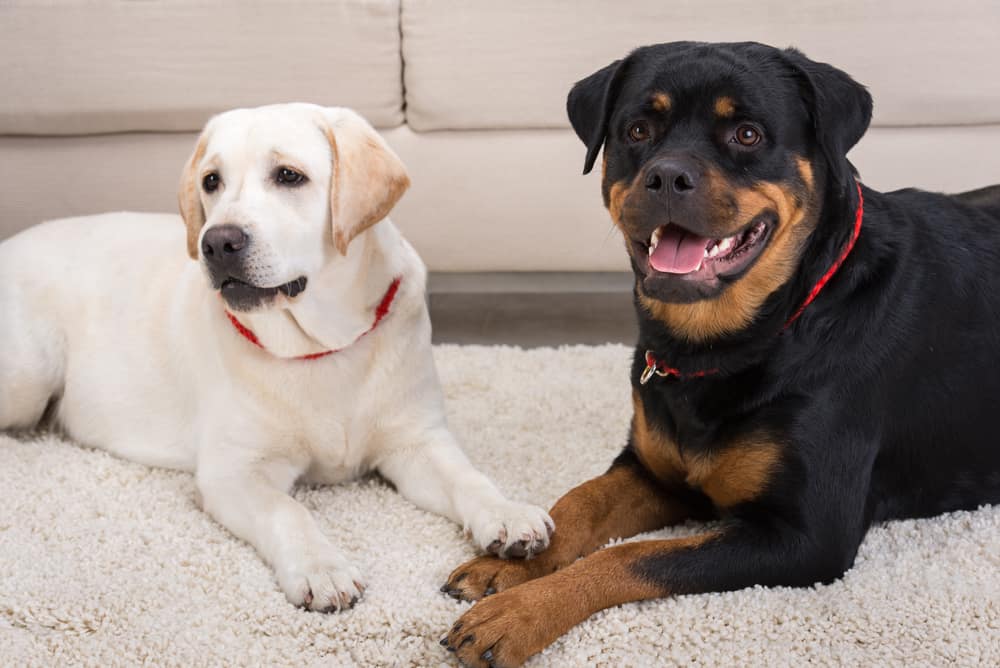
483, 64
516, 201
480, 200
79, 68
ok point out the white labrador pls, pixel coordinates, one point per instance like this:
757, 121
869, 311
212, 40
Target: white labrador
295, 347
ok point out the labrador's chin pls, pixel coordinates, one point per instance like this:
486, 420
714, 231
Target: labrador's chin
242, 296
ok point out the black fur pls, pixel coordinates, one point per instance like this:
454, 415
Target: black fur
882, 395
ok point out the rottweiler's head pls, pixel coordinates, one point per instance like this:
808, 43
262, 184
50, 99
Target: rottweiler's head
718, 160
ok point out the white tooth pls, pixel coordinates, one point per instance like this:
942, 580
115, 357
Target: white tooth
654, 240
651, 249
726, 244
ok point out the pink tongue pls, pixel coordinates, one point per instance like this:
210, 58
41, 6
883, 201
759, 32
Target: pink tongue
678, 252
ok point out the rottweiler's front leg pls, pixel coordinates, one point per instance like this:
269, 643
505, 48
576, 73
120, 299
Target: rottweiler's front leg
504, 630
623, 502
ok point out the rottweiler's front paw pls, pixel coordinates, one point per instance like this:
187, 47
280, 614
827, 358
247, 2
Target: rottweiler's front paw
487, 575
503, 631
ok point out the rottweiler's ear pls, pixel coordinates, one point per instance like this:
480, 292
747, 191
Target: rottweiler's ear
589, 106
367, 178
189, 196
840, 107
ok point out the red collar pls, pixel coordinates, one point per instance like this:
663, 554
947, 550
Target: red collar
660, 368
380, 312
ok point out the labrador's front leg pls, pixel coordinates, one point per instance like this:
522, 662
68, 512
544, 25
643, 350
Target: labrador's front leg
252, 501
432, 471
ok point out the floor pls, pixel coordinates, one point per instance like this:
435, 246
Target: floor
531, 309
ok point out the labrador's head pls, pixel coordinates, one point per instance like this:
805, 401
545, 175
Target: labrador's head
271, 195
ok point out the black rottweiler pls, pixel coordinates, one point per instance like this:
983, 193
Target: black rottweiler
814, 355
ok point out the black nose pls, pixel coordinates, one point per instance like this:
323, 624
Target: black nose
223, 245
670, 176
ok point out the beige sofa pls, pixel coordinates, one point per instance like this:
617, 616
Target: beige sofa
99, 101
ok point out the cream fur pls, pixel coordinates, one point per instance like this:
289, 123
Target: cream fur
108, 315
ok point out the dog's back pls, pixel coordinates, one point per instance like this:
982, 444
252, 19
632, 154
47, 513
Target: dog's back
987, 198
79, 298
937, 350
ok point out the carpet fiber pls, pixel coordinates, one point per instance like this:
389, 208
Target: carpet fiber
104, 562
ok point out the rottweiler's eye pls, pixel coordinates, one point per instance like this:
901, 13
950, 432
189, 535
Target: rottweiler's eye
746, 135
289, 177
210, 182
638, 131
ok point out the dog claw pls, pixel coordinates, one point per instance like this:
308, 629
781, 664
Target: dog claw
518, 550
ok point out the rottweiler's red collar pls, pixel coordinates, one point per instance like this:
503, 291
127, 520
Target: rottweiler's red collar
660, 368
380, 312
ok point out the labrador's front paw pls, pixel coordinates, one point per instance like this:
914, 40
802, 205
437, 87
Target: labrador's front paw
511, 530
324, 584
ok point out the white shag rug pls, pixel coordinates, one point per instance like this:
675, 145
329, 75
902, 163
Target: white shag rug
105, 563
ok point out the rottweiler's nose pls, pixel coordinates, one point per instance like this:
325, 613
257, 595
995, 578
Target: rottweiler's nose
671, 176
223, 245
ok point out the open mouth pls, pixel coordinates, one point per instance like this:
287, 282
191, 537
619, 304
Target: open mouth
671, 249
242, 295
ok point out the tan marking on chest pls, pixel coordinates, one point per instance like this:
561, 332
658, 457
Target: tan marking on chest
658, 453
736, 474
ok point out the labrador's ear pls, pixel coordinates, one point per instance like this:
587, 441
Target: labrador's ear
189, 196
367, 178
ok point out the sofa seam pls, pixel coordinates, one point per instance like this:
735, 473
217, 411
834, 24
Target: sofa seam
402, 67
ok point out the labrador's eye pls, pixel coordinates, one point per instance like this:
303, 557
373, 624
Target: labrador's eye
289, 177
210, 182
